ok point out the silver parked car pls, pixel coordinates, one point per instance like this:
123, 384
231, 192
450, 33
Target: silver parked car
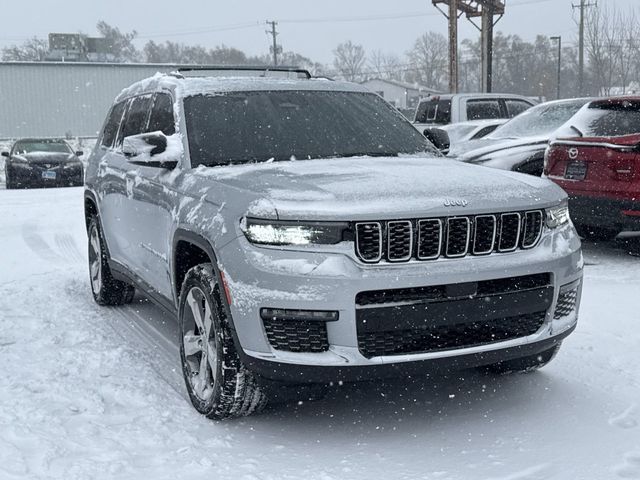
303, 232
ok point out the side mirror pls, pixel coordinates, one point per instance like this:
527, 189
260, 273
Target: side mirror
145, 149
439, 138
79, 153
5, 154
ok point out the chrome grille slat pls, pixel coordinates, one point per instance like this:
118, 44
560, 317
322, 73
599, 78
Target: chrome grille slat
532, 229
484, 235
369, 241
458, 233
399, 240
396, 241
510, 225
429, 238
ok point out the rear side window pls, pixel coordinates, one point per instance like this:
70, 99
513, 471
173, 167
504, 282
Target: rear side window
483, 109
135, 121
434, 111
608, 119
162, 118
516, 107
111, 128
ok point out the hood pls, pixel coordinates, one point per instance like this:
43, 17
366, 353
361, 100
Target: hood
473, 149
52, 158
380, 188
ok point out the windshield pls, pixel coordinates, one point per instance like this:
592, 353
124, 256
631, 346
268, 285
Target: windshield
245, 127
538, 121
604, 119
24, 147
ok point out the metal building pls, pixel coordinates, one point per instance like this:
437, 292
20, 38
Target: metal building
58, 99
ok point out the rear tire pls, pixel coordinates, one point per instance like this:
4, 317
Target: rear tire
106, 289
527, 364
218, 383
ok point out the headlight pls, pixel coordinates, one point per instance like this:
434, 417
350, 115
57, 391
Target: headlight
557, 216
274, 232
72, 166
20, 163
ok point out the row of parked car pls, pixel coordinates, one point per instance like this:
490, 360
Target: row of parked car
590, 147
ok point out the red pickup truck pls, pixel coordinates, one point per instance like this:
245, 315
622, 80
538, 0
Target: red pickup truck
595, 158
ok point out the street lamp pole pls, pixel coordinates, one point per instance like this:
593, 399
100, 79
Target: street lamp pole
559, 40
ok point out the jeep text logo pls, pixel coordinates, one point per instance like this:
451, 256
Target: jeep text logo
452, 202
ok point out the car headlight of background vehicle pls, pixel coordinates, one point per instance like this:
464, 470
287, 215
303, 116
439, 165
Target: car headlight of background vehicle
558, 216
277, 232
18, 162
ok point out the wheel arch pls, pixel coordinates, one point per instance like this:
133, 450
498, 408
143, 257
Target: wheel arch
90, 207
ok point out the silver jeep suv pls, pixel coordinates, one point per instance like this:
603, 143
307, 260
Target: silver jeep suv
303, 232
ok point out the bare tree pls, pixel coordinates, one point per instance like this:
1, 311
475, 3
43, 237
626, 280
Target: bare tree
34, 49
349, 60
386, 66
429, 59
120, 44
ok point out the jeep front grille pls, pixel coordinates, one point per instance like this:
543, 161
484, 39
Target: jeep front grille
452, 237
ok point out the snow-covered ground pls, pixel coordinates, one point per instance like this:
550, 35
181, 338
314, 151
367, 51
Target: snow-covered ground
90, 393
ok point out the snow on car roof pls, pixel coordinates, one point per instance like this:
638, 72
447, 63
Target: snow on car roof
186, 86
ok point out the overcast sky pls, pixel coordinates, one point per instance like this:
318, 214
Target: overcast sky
312, 28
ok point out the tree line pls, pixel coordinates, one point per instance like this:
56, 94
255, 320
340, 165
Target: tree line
612, 58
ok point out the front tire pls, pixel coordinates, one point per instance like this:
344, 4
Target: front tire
106, 289
527, 364
218, 383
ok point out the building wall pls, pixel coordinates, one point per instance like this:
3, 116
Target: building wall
58, 99
393, 94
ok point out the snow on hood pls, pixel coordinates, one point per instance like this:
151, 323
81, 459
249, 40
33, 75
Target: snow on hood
473, 149
378, 188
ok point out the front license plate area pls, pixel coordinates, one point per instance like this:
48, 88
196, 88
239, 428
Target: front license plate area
49, 175
576, 171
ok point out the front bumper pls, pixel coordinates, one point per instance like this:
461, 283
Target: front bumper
310, 279
605, 212
33, 176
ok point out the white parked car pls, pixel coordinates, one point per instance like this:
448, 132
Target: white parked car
472, 130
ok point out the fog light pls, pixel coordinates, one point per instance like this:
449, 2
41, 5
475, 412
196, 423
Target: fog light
288, 314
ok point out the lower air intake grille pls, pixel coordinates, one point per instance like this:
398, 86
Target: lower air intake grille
449, 337
297, 335
566, 303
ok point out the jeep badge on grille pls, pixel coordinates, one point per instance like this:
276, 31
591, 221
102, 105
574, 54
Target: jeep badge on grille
455, 202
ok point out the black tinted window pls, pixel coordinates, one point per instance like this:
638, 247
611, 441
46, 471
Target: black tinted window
136, 118
607, 119
434, 111
258, 126
162, 115
516, 107
483, 109
111, 128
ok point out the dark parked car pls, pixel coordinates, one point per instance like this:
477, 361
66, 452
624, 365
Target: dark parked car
596, 160
42, 162
519, 144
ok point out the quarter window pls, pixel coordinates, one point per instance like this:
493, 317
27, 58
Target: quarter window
136, 117
111, 128
162, 118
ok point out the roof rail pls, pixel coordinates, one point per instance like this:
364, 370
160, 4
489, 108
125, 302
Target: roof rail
264, 69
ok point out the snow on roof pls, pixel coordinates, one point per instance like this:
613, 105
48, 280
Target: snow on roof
221, 84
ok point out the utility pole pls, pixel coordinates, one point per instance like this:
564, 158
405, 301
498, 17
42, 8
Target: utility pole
274, 34
453, 46
559, 40
583, 6
486, 9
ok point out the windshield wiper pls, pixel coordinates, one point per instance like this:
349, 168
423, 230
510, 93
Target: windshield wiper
577, 130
